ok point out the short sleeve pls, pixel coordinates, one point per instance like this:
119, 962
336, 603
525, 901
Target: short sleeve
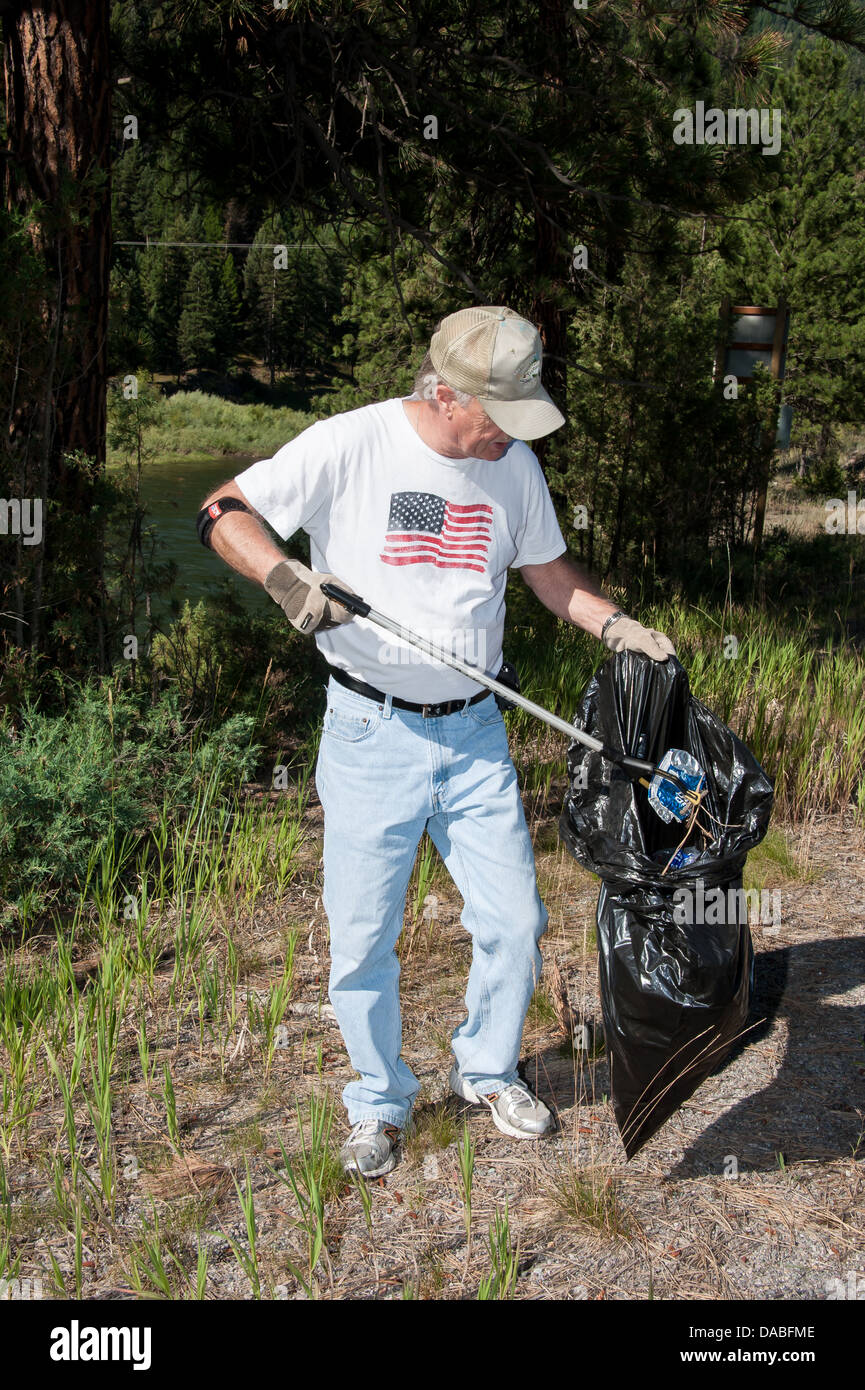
539, 537
290, 489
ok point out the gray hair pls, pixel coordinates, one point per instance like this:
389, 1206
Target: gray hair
427, 379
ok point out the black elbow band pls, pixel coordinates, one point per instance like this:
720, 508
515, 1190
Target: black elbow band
208, 516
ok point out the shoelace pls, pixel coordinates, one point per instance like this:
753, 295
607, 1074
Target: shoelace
363, 1128
367, 1129
516, 1094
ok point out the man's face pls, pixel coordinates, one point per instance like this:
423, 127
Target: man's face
473, 433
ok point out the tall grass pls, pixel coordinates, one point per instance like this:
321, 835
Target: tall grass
501, 1281
247, 1257
466, 1164
155, 1270
265, 1016
70, 1030
800, 708
313, 1176
195, 423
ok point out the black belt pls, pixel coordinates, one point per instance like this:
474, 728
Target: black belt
428, 711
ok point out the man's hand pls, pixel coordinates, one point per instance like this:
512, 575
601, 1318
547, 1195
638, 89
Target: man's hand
627, 635
297, 590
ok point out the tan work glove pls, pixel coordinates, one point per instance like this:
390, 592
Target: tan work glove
297, 590
627, 635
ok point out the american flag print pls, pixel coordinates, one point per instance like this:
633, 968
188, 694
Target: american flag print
423, 529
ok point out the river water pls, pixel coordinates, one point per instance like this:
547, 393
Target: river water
173, 494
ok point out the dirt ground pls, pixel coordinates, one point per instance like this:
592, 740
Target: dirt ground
669, 1224
753, 1190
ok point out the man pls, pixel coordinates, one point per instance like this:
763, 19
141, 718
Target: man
421, 506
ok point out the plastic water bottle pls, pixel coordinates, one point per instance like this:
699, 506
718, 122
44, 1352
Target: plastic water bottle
665, 797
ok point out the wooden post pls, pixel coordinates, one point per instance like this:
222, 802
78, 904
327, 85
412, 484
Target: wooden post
778, 340
769, 434
721, 343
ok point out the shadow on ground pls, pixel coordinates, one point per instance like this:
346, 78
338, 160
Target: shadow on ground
814, 1108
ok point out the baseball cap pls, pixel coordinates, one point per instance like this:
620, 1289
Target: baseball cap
495, 355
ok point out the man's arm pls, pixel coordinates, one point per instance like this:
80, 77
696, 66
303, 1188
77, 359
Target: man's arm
241, 540
564, 588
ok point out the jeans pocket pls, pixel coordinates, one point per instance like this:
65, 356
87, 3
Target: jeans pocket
485, 711
350, 725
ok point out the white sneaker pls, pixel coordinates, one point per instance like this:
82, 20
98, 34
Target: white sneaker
515, 1109
370, 1149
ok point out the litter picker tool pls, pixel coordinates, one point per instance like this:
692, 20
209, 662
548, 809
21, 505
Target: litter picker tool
676, 794
675, 994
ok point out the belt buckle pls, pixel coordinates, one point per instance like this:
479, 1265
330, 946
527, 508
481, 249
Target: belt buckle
435, 711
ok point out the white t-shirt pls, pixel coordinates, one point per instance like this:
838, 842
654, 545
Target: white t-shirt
426, 540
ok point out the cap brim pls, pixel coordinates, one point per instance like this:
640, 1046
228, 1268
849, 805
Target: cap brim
529, 418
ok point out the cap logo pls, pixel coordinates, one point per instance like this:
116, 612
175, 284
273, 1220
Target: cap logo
533, 370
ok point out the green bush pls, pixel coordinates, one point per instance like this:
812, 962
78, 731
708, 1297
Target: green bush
220, 658
821, 573
192, 422
77, 783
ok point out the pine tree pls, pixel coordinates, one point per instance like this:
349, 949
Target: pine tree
804, 243
268, 290
228, 308
291, 279
164, 275
199, 321
56, 163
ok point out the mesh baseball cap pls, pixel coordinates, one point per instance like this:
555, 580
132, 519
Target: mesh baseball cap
495, 355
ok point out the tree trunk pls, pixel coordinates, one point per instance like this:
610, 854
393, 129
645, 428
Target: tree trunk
547, 308
622, 497
547, 311
58, 120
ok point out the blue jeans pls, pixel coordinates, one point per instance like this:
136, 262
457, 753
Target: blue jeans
385, 775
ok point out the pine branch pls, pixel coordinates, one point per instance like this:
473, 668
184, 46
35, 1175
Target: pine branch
843, 21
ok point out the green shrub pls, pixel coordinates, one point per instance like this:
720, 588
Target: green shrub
77, 783
192, 422
220, 658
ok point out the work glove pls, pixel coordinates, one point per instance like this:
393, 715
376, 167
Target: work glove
627, 635
297, 590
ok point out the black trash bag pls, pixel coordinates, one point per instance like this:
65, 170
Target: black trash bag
674, 993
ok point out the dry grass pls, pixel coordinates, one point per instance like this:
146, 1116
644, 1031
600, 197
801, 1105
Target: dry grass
186, 1175
589, 1197
668, 1225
